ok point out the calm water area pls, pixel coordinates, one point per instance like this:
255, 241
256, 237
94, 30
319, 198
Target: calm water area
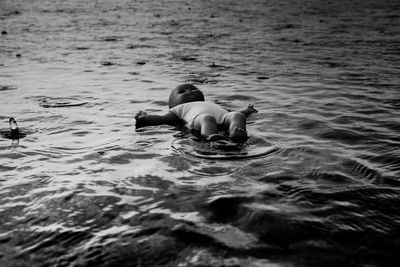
316, 184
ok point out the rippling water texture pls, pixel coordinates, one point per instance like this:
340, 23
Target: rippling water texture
317, 184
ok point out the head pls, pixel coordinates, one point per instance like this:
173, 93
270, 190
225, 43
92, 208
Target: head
183, 94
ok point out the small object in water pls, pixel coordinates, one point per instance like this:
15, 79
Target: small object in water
7, 87
18, 55
4, 32
141, 62
107, 63
110, 39
14, 131
188, 58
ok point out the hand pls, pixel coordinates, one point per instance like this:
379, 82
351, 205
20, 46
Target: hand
140, 119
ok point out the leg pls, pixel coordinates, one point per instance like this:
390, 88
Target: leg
208, 127
235, 122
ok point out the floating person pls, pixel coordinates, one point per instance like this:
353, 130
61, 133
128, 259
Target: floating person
187, 105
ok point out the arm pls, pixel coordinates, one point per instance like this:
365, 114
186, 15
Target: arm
143, 119
249, 110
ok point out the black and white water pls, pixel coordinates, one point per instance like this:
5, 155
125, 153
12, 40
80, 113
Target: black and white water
317, 184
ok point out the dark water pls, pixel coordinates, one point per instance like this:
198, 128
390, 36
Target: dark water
317, 184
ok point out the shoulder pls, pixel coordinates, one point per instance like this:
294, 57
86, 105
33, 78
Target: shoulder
177, 108
185, 106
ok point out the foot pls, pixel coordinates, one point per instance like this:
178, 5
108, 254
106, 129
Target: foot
251, 109
238, 135
214, 137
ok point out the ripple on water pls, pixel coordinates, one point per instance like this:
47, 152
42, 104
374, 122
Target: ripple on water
212, 170
241, 98
59, 102
21, 133
6, 133
7, 87
362, 208
361, 171
344, 135
254, 147
301, 215
200, 168
201, 78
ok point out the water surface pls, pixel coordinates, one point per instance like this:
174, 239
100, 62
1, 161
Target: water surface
317, 184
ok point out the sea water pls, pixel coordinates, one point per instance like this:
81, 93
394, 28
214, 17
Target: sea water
316, 184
